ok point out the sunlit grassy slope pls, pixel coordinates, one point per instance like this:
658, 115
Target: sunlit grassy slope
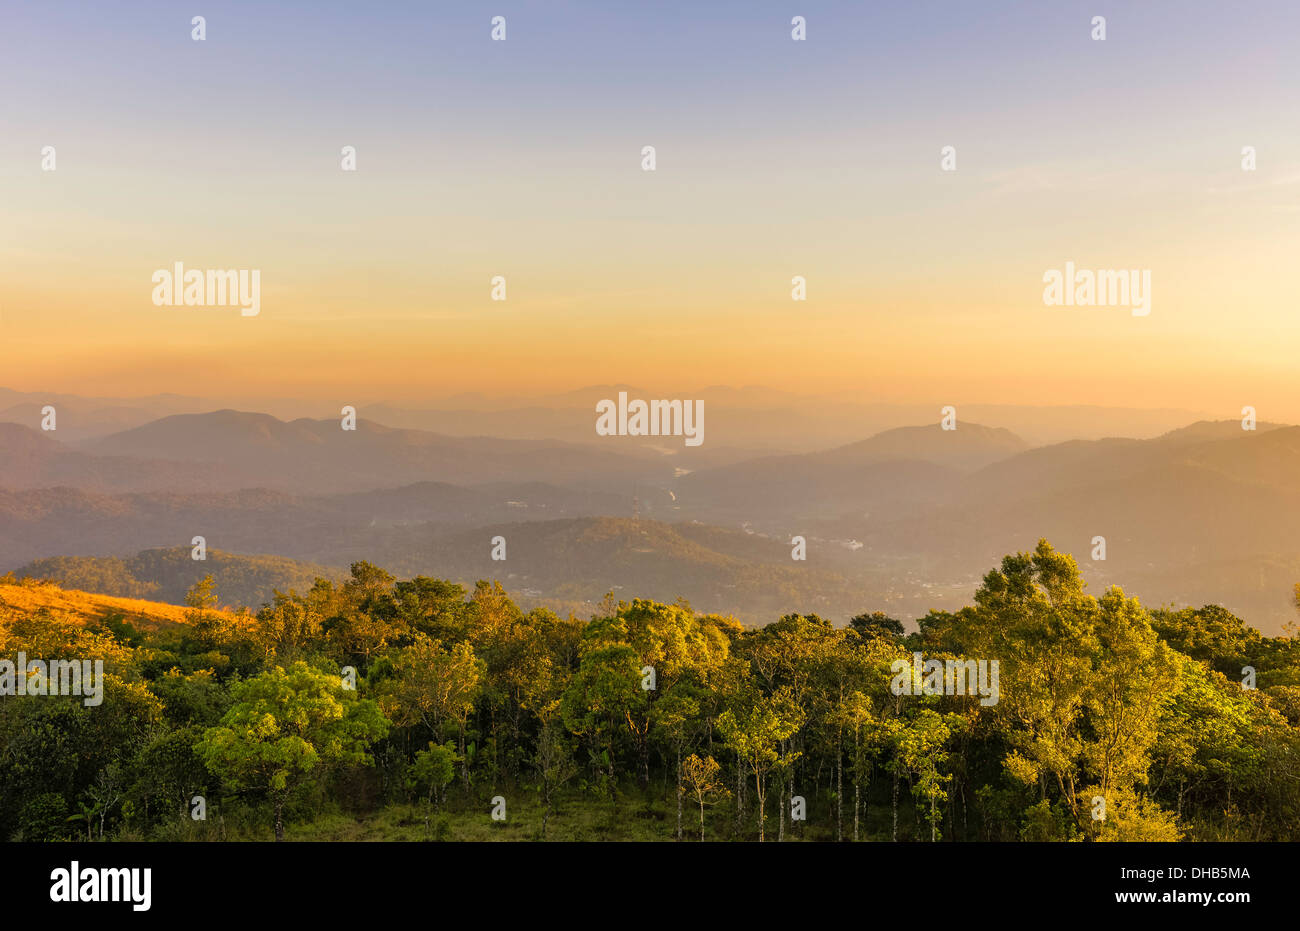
84, 606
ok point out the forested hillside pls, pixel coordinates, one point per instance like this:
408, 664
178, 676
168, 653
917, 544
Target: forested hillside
378, 708
168, 574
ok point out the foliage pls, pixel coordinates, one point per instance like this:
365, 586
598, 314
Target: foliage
599, 729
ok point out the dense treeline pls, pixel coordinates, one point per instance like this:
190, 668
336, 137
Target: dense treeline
418, 709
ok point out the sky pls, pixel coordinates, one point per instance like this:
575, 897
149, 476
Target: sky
775, 158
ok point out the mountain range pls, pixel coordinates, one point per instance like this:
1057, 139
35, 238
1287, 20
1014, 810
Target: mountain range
904, 520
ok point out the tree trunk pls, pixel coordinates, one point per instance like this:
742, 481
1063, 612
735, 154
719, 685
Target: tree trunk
857, 807
839, 793
279, 820
464, 759
780, 831
679, 792
857, 764
965, 813
895, 836
496, 749
740, 794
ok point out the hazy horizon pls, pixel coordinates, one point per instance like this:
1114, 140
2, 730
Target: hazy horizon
795, 421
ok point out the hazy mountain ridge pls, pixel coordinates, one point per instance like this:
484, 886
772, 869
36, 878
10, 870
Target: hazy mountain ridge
69, 521
894, 469
1171, 510
320, 456
752, 418
908, 514
579, 560
574, 561
31, 459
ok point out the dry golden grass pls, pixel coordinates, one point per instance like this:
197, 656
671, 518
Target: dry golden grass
84, 606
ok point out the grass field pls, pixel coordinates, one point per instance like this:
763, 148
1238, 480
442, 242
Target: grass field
574, 817
86, 607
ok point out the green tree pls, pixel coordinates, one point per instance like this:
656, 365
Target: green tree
919, 745
432, 686
700, 779
286, 728
755, 729
433, 770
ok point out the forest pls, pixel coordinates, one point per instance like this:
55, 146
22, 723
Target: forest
378, 708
